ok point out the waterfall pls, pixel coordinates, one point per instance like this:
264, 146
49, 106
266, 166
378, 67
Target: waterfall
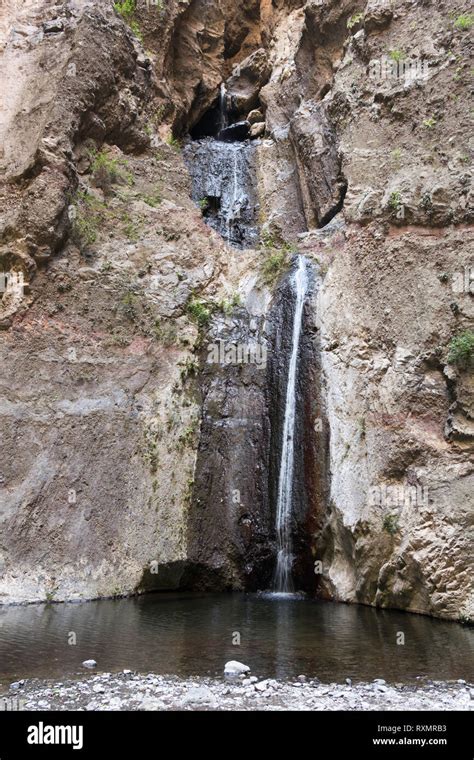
224, 122
282, 581
223, 181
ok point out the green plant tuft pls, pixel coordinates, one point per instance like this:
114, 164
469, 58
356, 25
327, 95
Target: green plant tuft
461, 350
107, 171
464, 22
395, 200
199, 311
355, 19
397, 55
390, 524
126, 8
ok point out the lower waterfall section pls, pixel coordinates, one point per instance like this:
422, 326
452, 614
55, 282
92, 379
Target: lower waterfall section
255, 507
298, 466
283, 581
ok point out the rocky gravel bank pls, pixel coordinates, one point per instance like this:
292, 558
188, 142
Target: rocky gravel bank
131, 691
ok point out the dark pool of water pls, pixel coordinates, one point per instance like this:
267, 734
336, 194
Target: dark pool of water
193, 634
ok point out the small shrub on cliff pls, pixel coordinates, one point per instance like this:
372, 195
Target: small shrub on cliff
188, 437
227, 306
390, 524
126, 8
173, 142
464, 22
395, 199
274, 265
153, 199
397, 55
86, 214
107, 171
461, 350
128, 305
354, 20
199, 311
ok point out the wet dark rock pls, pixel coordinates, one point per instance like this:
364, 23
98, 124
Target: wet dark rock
235, 132
230, 522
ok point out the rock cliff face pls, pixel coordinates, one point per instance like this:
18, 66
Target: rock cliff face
130, 461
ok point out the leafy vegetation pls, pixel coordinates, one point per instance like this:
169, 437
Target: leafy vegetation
464, 22
189, 368
395, 200
126, 8
274, 265
354, 20
128, 305
153, 199
461, 350
86, 218
173, 142
200, 311
390, 524
277, 258
430, 123
152, 436
107, 171
228, 305
397, 55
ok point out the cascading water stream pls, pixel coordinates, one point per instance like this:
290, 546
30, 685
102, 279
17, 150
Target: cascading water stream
221, 163
224, 121
282, 581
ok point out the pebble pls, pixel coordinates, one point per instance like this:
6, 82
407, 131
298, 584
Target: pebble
98, 688
17, 684
89, 664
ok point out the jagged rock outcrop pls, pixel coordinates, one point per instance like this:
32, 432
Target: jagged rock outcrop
362, 164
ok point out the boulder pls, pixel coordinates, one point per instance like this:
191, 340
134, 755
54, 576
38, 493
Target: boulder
378, 15
247, 80
257, 130
235, 668
255, 116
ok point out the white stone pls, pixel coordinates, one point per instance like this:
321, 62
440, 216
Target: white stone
235, 668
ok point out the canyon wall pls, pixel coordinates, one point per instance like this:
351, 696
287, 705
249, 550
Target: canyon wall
128, 460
